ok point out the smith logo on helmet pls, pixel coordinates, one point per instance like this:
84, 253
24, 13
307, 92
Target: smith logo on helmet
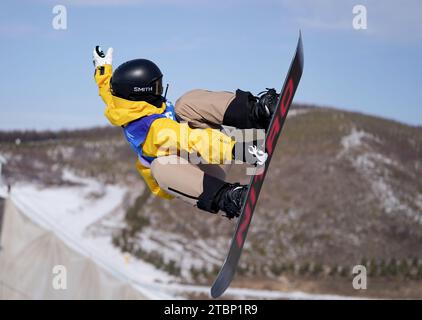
144, 89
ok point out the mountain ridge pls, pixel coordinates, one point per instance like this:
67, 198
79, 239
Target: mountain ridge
343, 189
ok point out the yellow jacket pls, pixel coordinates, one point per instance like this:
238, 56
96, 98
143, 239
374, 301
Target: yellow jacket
165, 136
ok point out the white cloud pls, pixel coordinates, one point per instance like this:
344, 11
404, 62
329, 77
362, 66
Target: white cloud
388, 18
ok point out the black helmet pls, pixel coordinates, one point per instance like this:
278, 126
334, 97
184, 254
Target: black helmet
137, 80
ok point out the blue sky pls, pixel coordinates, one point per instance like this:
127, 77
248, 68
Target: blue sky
47, 74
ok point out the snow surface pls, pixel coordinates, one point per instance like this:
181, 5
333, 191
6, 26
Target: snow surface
264, 294
69, 210
296, 112
174, 247
373, 165
3, 190
353, 140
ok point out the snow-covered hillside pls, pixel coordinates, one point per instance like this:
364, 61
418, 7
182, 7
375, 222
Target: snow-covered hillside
343, 189
70, 211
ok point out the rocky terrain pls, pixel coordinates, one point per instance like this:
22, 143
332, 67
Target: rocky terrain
343, 189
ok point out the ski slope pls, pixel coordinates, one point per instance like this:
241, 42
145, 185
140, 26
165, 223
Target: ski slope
69, 210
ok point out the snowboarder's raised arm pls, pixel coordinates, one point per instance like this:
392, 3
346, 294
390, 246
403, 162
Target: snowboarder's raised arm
102, 78
103, 72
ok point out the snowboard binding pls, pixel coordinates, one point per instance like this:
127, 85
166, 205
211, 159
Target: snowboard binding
264, 107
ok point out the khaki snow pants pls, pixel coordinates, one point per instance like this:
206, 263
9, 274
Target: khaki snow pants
175, 175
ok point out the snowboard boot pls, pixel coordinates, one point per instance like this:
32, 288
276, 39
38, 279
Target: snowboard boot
258, 113
264, 108
220, 195
230, 199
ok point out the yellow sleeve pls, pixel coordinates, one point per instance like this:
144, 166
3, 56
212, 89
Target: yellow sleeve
166, 136
102, 78
151, 183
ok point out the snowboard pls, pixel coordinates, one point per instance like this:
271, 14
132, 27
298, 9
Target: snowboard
227, 271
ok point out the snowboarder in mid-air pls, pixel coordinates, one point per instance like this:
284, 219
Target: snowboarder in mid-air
159, 132
162, 134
